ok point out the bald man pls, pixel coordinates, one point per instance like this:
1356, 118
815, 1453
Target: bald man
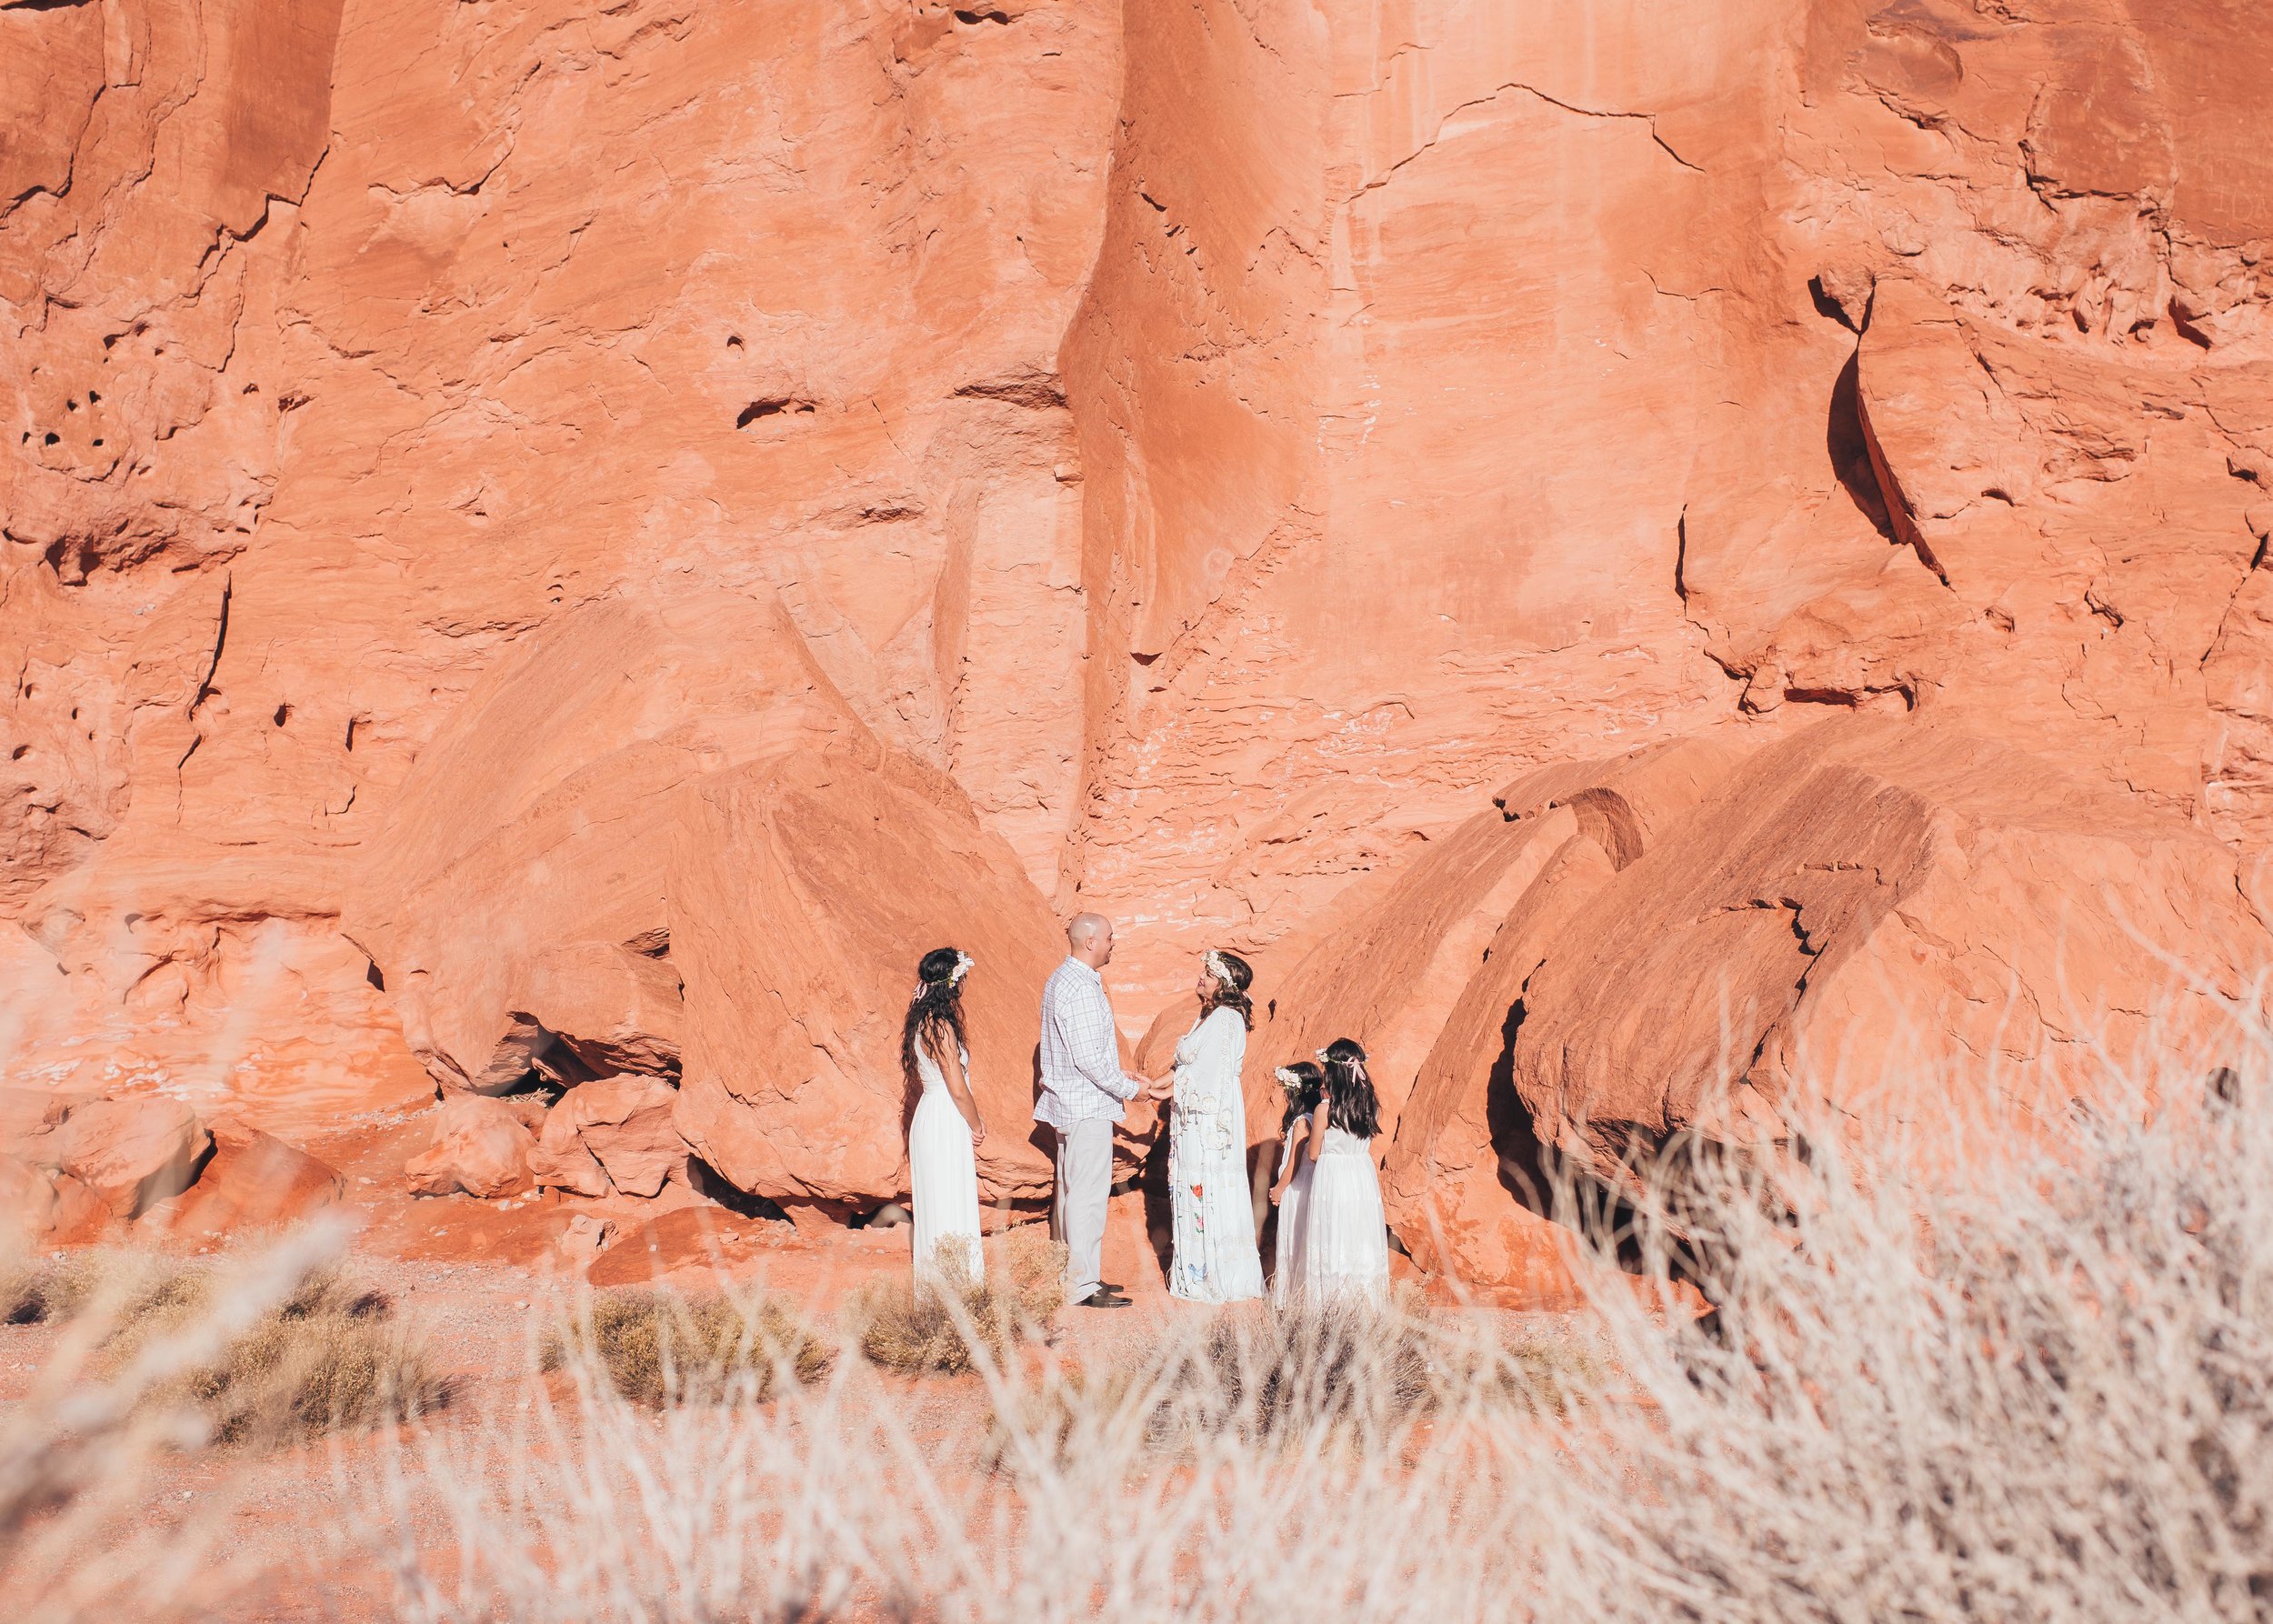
1083, 1091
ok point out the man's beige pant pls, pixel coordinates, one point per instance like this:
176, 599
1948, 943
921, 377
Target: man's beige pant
1084, 1182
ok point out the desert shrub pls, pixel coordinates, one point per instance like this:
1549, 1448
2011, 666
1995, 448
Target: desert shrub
328, 1355
945, 1323
2036, 1383
658, 1347
332, 1355
122, 1287
1262, 1371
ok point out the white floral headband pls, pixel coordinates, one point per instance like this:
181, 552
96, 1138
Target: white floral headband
1289, 1077
963, 963
1218, 966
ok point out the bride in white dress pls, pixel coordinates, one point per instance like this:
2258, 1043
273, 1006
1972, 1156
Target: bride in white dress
1215, 1258
946, 1130
1344, 1243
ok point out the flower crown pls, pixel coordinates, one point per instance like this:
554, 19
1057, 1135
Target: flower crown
963, 963
1219, 967
1288, 1078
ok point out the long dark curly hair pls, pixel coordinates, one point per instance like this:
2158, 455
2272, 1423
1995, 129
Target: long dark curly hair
1302, 1094
937, 1009
1232, 982
1352, 1105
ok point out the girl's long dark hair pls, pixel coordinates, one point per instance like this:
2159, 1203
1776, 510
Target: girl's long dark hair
1302, 1096
1232, 994
1352, 1105
936, 1009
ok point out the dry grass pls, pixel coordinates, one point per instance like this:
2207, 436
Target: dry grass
950, 1325
329, 1355
658, 1348
125, 1287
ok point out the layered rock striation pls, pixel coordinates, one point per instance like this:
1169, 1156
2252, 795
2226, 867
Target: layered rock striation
556, 545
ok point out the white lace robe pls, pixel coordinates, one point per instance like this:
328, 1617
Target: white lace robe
1216, 1260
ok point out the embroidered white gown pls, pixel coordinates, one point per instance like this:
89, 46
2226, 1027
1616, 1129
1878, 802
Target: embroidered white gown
942, 1172
1345, 1245
1288, 1273
1216, 1260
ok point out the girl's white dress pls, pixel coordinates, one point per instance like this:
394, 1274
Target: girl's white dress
942, 1172
1290, 1211
1344, 1243
1216, 1260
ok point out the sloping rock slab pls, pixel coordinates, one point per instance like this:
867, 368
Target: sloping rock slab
252, 1180
803, 893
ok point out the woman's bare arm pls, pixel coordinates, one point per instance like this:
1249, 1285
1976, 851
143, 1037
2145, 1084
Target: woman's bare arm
959, 1090
1298, 1137
1318, 1120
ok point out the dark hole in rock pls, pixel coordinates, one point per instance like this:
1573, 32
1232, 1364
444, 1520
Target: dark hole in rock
770, 409
708, 1183
1850, 453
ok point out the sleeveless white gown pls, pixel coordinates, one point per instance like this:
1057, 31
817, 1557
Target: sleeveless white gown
1287, 1275
1216, 1260
942, 1172
1344, 1243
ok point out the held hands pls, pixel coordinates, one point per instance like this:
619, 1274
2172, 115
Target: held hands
1161, 1087
1277, 1191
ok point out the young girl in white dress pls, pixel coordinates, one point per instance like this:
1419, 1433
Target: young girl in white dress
1345, 1248
1215, 1258
946, 1130
1303, 1082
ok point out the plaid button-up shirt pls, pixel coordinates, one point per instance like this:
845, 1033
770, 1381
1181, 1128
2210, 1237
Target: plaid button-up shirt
1081, 1060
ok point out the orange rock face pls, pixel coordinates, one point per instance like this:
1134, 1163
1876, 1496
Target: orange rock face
569, 545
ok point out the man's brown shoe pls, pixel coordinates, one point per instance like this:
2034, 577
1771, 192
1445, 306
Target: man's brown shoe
1102, 1298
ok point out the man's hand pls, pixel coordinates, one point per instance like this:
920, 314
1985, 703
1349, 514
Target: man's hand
1160, 1087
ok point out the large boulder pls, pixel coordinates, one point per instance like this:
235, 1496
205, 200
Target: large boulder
515, 900
481, 1146
1885, 916
131, 1153
803, 892
27, 1197
252, 1180
610, 1136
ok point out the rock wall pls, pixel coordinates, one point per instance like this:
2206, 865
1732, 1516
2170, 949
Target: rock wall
1214, 447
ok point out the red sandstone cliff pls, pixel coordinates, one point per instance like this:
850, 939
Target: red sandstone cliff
476, 478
